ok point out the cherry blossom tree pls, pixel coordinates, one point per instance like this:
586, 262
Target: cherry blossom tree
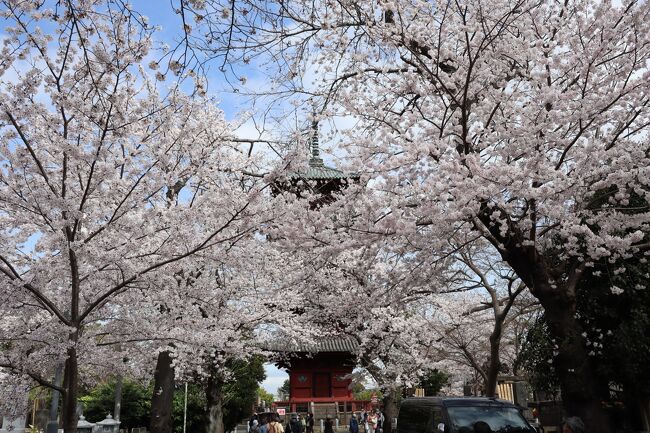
114, 188
511, 122
356, 282
482, 290
196, 322
475, 333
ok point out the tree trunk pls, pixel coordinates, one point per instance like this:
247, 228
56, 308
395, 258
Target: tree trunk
390, 410
163, 395
214, 412
70, 414
580, 392
495, 360
578, 382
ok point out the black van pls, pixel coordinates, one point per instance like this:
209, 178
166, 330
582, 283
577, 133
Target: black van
460, 415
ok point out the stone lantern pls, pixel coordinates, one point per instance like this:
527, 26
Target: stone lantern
109, 425
84, 426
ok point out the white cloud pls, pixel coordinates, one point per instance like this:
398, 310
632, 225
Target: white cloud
274, 378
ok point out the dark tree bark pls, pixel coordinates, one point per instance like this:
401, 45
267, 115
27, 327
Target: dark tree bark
555, 287
163, 395
581, 395
214, 412
70, 415
495, 360
390, 410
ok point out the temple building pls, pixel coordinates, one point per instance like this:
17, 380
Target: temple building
319, 377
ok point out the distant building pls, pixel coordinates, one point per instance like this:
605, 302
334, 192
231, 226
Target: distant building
319, 373
318, 178
319, 377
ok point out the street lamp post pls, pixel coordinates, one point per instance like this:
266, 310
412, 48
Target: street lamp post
185, 410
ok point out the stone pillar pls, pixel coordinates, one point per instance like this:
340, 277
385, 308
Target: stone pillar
53, 424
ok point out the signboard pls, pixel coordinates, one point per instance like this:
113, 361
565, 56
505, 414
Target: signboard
281, 411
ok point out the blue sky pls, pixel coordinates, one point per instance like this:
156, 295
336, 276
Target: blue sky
160, 13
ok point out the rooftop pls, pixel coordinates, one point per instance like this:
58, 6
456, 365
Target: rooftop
332, 344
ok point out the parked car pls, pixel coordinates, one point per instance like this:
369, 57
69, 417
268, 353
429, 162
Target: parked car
460, 415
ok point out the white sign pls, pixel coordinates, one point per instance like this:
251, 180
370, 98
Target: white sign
282, 411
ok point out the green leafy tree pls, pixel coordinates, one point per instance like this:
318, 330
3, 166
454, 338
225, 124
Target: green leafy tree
265, 396
195, 408
434, 381
617, 323
136, 403
284, 389
366, 394
536, 359
240, 391
615, 313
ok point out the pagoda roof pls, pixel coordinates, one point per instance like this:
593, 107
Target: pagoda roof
320, 172
317, 169
332, 344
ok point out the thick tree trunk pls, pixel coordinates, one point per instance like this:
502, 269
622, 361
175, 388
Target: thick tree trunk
70, 415
390, 410
214, 412
578, 382
495, 361
163, 395
580, 392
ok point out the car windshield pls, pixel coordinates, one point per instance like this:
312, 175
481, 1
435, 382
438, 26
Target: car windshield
486, 419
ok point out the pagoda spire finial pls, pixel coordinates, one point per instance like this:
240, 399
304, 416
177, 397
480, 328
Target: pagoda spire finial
315, 159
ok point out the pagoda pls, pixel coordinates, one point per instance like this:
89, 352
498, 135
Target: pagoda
318, 178
320, 372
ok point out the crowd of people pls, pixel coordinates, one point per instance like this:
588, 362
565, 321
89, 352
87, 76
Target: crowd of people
296, 424
364, 422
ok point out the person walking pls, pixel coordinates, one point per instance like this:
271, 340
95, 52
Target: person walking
365, 422
310, 422
264, 427
329, 425
354, 424
252, 418
294, 425
380, 422
255, 428
372, 422
275, 426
